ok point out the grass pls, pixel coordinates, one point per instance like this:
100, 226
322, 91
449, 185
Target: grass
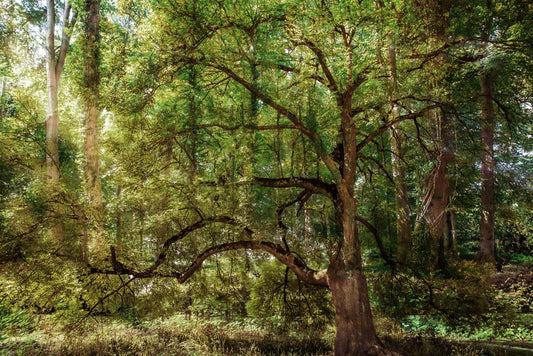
178, 335
173, 336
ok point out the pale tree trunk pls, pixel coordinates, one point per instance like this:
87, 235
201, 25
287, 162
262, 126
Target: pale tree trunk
96, 234
403, 219
450, 240
487, 249
438, 196
54, 68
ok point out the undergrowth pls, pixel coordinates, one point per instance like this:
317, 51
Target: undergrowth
179, 335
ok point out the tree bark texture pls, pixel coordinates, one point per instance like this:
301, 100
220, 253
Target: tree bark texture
438, 196
51, 128
353, 318
96, 240
487, 249
403, 219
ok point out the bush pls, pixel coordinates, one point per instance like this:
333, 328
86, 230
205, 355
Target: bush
13, 320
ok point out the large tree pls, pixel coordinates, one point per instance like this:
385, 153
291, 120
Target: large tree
55, 61
275, 54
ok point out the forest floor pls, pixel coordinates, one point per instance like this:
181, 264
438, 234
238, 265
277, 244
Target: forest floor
179, 335
185, 335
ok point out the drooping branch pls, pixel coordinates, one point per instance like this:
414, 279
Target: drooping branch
305, 273
377, 238
302, 197
313, 185
186, 231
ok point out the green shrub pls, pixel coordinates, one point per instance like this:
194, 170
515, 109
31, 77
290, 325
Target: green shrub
13, 320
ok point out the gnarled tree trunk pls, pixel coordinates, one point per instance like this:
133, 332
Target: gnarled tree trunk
438, 197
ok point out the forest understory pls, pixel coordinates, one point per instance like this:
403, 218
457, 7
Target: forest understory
194, 333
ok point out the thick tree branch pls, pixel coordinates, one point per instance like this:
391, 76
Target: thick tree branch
332, 84
313, 185
306, 274
296, 264
391, 123
313, 136
310, 184
68, 25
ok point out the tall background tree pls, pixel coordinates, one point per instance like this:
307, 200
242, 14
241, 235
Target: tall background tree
94, 242
55, 61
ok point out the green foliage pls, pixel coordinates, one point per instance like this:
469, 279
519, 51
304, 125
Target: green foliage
279, 299
14, 320
188, 122
517, 289
463, 301
172, 336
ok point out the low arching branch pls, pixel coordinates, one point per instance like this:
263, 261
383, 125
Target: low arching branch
295, 263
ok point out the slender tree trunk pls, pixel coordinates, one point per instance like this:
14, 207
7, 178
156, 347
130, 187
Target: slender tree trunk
96, 238
163, 226
118, 222
403, 219
455, 248
487, 249
52, 123
2, 95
